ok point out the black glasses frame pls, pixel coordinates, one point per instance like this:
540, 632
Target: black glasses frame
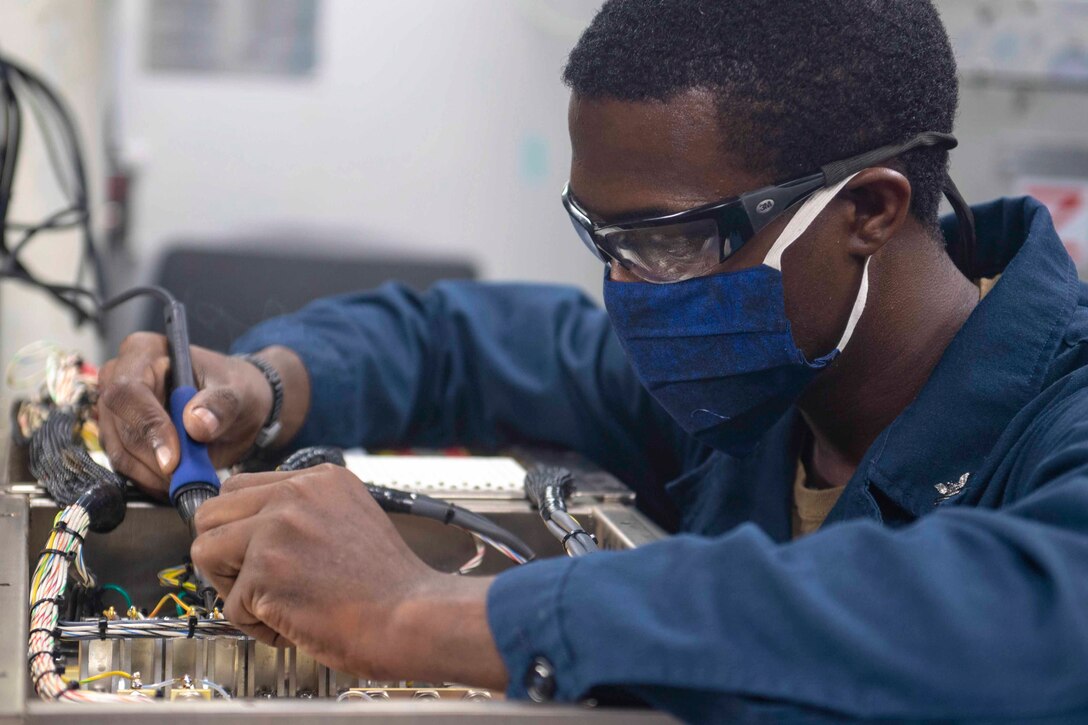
738, 218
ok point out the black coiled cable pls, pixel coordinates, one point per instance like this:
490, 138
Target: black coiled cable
393, 500
313, 456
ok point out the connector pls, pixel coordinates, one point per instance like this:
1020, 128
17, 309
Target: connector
105, 506
548, 488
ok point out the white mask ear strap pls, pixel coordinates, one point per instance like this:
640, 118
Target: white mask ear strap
859, 307
801, 221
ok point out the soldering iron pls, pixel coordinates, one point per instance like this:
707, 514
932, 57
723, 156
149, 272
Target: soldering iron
194, 480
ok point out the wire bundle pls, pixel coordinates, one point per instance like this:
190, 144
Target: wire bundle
60, 461
477, 558
548, 488
59, 380
177, 577
65, 547
151, 628
58, 426
69, 380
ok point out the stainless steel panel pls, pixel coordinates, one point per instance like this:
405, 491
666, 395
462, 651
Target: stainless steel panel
14, 581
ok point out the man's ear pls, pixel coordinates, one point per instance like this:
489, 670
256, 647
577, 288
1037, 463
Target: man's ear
880, 199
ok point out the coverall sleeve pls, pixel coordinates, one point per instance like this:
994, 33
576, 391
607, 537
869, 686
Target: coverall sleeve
967, 612
480, 365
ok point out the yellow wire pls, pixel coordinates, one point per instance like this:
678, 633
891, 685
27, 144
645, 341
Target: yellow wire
104, 675
158, 606
164, 600
40, 569
172, 578
50, 544
89, 435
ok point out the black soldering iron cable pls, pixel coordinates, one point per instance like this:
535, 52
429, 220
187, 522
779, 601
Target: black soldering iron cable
393, 500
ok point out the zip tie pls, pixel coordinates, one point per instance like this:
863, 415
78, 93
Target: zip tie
69, 555
574, 533
53, 654
54, 632
56, 671
56, 601
66, 529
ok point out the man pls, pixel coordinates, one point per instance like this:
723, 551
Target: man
799, 348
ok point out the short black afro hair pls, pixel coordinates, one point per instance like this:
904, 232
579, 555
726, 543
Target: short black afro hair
800, 82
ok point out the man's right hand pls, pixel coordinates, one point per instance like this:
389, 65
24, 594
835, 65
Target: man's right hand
227, 413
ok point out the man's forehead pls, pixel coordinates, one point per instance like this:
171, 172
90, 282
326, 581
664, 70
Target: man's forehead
630, 157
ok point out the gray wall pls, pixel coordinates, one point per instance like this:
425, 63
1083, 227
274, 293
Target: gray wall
429, 126
432, 126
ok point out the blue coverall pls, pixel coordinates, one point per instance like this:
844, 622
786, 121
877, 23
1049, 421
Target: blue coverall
907, 603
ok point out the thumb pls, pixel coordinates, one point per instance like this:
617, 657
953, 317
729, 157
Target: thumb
137, 431
211, 413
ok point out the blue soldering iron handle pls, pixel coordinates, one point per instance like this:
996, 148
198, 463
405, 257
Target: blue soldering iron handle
194, 480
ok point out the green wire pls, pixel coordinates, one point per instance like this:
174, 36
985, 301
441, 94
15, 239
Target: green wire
119, 590
177, 607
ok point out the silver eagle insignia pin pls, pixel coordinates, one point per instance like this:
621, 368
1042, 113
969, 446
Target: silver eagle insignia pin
946, 491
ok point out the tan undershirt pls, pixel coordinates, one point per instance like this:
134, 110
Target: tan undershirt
812, 505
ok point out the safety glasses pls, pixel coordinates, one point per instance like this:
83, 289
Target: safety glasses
679, 246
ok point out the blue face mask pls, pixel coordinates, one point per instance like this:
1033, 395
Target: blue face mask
717, 352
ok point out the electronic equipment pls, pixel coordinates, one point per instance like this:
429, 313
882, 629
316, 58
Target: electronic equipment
149, 544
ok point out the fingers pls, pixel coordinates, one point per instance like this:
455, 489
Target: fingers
226, 509
150, 481
247, 494
142, 427
242, 481
219, 553
137, 432
239, 607
211, 412
220, 557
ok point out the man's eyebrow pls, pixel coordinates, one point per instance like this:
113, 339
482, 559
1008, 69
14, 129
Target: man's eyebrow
626, 215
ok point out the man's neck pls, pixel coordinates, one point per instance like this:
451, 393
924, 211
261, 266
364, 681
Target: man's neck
917, 303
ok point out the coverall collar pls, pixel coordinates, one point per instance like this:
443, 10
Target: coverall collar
994, 365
